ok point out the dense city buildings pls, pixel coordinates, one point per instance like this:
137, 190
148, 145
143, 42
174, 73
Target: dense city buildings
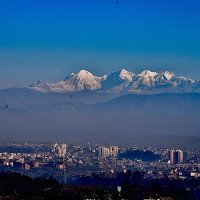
59, 160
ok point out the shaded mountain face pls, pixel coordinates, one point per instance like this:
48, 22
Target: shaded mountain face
121, 81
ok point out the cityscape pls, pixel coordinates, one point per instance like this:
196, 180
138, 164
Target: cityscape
74, 165
99, 100
82, 160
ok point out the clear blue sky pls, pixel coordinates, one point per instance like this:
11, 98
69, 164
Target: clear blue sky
49, 39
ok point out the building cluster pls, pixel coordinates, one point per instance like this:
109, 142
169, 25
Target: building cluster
24, 161
60, 150
111, 151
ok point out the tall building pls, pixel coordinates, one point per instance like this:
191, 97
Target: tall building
176, 156
55, 147
171, 156
180, 156
111, 151
114, 151
62, 150
102, 151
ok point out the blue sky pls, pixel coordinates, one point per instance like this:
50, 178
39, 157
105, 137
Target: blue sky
49, 39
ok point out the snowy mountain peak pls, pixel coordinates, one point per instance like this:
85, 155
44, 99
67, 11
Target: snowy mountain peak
124, 74
168, 75
148, 73
83, 80
123, 71
83, 74
147, 77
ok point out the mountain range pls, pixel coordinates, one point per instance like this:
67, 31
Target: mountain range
122, 107
120, 82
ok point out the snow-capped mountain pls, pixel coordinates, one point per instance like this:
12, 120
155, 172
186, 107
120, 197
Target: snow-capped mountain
83, 80
117, 81
121, 81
